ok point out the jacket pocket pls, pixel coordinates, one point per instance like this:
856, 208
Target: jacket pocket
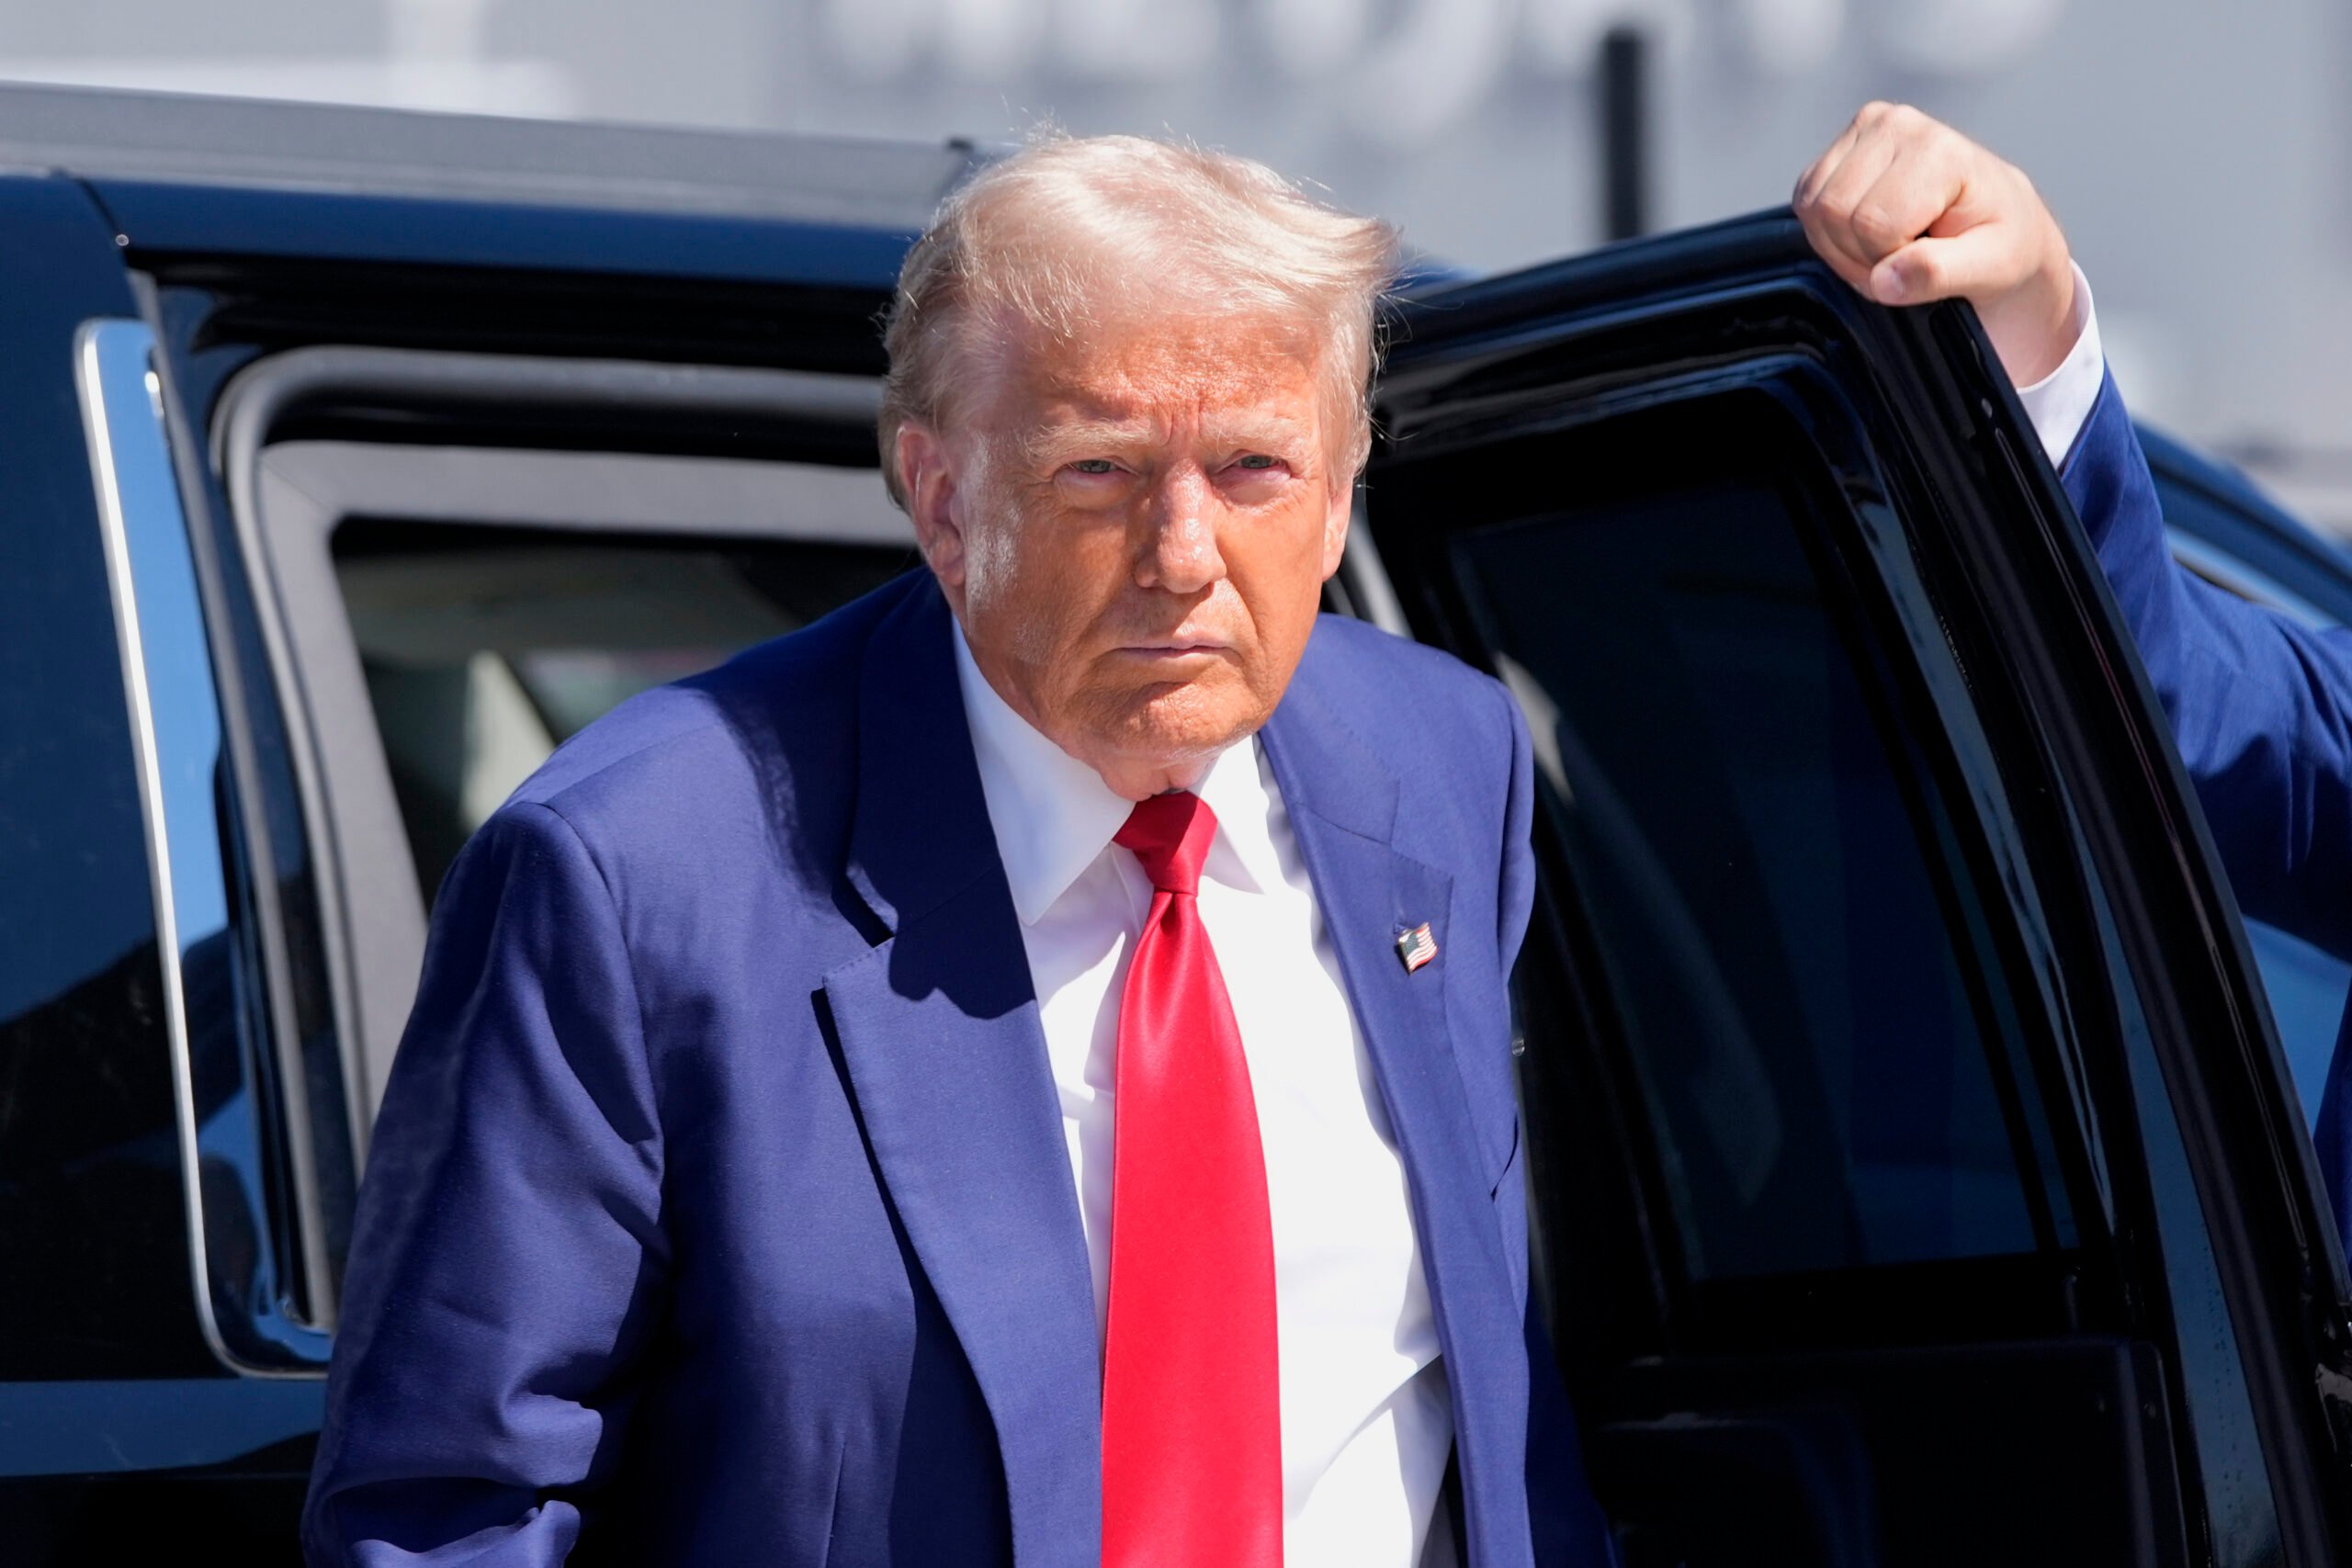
1509, 1172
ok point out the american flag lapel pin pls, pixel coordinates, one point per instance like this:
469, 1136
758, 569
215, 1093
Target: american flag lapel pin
1415, 947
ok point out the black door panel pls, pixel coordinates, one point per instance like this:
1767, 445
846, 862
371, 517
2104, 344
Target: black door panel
1826, 1036
1840, 1008
1827, 1459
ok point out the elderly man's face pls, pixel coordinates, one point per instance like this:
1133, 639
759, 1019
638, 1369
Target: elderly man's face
1134, 531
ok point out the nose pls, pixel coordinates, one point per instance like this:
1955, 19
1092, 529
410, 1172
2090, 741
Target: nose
1180, 550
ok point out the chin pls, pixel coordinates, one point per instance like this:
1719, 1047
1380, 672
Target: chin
1186, 723
1163, 721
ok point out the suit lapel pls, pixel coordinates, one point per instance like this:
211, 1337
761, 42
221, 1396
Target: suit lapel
939, 1030
1342, 802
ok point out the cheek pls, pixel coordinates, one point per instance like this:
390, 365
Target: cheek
1034, 587
992, 559
1278, 571
1002, 598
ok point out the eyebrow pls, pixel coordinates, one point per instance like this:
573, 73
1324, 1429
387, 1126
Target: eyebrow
1058, 441
1081, 437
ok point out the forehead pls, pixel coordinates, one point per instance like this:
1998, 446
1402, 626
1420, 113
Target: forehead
1140, 366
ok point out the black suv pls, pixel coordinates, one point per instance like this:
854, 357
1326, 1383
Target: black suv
1916, 1174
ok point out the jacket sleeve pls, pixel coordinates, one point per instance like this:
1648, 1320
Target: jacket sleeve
508, 1245
2260, 705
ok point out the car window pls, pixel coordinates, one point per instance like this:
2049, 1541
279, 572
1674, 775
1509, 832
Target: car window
483, 648
1798, 957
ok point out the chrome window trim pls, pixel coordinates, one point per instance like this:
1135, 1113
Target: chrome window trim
1364, 576
160, 630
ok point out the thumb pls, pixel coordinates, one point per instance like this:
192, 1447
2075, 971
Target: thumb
1972, 261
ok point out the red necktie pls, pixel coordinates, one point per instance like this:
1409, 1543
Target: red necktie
1192, 1413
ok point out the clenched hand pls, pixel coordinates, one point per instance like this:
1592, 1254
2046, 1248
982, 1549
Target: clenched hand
1907, 210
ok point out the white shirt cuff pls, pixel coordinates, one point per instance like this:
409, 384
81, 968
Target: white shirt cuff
2061, 401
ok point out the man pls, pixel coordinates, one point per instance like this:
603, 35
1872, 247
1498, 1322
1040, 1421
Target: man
746, 1187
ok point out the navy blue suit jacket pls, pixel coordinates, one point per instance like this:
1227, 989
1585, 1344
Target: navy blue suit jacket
719, 1210
2262, 707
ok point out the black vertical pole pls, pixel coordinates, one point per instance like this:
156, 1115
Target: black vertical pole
1624, 122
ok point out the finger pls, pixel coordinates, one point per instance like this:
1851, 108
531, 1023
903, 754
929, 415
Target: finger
1919, 188
1843, 263
1940, 268
1833, 205
1809, 182
1856, 273
1869, 120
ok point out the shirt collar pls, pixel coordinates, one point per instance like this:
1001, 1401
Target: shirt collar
1054, 814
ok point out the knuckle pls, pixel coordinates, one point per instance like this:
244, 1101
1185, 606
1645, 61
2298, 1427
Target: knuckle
1876, 226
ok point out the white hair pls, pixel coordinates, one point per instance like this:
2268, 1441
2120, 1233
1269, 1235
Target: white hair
1047, 234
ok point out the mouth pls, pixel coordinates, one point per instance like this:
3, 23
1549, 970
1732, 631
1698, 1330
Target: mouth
1171, 652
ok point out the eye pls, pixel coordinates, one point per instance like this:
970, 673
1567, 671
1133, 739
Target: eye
1095, 465
1260, 460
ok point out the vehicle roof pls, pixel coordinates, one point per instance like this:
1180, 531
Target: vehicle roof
105, 135
185, 174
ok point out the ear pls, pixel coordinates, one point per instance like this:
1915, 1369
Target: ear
1340, 510
927, 476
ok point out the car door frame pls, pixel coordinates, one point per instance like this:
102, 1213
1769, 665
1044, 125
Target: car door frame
1474, 362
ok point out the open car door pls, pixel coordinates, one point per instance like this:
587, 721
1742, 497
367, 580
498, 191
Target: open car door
1913, 1175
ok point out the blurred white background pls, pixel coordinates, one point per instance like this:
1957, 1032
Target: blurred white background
2197, 152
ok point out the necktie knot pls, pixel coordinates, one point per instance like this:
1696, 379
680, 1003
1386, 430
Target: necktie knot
1169, 835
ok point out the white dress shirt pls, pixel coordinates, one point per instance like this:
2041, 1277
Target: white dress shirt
1367, 1426
1366, 1420
2061, 401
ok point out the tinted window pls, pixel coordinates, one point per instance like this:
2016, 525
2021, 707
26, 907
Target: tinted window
484, 648
1793, 945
